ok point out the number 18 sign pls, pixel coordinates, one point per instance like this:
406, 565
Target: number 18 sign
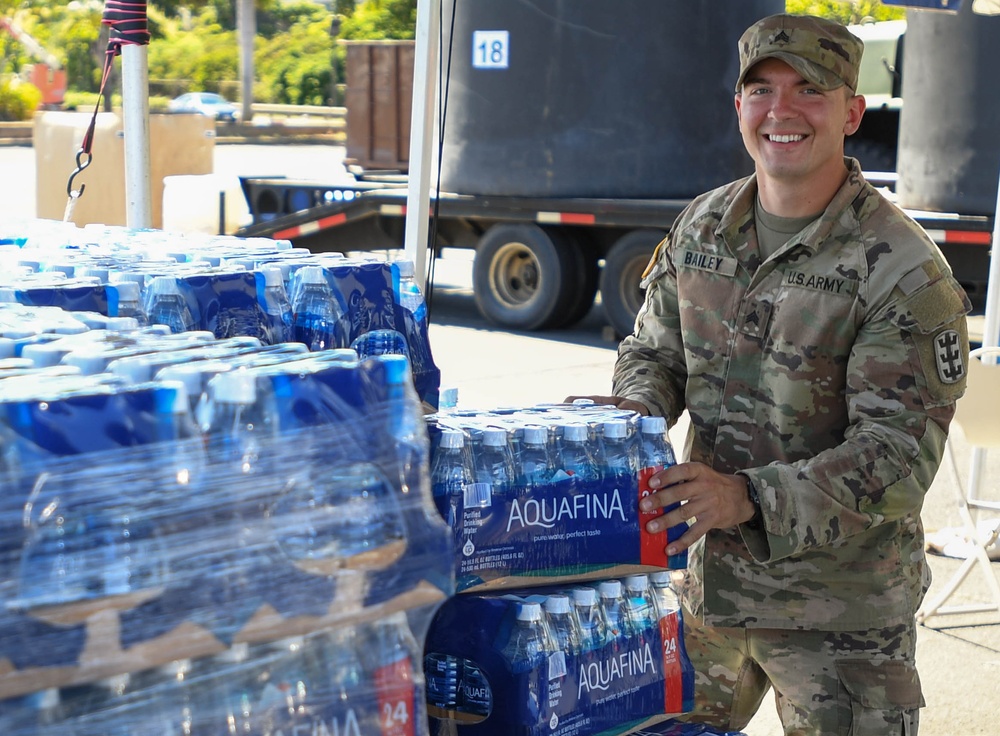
490, 49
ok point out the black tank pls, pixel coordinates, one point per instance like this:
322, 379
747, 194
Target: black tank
949, 131
590, 98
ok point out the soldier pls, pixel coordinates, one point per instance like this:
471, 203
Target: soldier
817, 339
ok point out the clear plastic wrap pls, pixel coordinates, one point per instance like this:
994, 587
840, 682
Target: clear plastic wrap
158, 571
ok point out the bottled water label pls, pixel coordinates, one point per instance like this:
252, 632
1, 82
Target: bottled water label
557, 665
397, 706
674, 659
654, 546
476, 694
478, 496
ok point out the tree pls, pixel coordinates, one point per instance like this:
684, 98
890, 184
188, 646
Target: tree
380, 19
845, 11
296, 67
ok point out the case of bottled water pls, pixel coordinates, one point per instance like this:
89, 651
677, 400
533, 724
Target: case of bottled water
206, 536
221, 284
546, 493
533, 662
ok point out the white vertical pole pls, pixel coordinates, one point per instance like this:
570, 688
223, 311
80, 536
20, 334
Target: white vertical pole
135, 110
425, 62
991, 337
991, 326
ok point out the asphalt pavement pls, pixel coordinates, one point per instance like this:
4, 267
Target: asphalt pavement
959, 663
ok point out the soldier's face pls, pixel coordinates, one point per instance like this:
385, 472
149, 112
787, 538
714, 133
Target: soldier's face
793, 130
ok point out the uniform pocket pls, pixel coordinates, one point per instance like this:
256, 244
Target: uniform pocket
885, 696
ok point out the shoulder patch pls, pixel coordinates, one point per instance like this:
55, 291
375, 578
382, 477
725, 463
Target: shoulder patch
948, 356
656, 257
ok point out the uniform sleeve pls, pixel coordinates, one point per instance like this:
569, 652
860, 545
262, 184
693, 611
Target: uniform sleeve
904, 375
651, 367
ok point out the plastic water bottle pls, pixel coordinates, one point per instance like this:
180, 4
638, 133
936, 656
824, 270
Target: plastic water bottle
476, 695
277, 306
639, 601
444, 674
166, 305
115, 706
350, 682
84, 542
394, 652
129, 303
334, 514
619, 457
563, 624
219, 690
317, 316
184, 461
410, 296
656, 449
291, 679
239, 422
529, 644
575, 455
537, 467
450, 476
494, 465
380, 342
405, 423
657, 454
590, 615
664, 596
239, 445
28, 714
615, 609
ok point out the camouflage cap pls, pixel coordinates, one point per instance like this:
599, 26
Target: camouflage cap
822, 51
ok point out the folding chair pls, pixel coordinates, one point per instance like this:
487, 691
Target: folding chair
978, 416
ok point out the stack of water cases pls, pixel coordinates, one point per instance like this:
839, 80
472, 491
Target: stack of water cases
254, 287
209, 536
566, 621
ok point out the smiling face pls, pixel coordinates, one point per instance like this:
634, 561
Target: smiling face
793, 130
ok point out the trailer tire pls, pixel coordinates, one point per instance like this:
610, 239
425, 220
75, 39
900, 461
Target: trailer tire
624, 264
582, 280
522, 276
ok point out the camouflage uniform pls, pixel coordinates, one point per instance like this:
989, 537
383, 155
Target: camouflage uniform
827, 374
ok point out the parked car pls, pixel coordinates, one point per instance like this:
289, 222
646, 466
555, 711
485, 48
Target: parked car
205, 103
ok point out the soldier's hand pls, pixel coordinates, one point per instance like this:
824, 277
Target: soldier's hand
617, 401
709, 500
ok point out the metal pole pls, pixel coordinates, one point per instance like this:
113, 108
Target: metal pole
135, 110
422, 136
246, 25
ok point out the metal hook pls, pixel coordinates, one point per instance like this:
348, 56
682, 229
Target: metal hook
80, 166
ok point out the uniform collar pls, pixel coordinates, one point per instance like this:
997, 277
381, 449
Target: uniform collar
738, 217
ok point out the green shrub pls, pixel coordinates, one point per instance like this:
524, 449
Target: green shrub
18, 100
